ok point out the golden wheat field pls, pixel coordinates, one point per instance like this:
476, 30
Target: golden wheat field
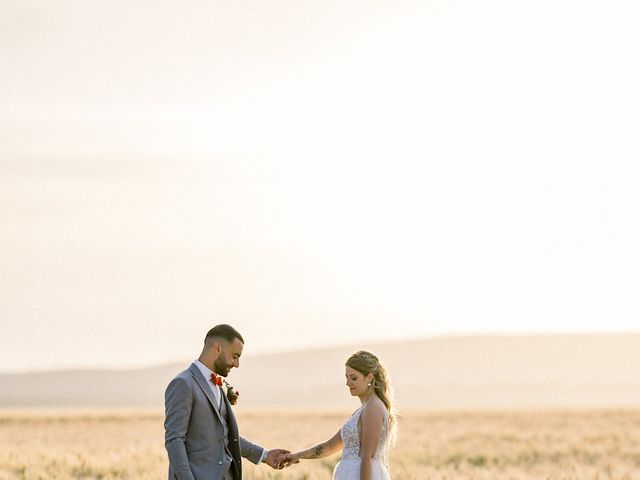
562, 445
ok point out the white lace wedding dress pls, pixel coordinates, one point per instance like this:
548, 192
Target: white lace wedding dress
349, 466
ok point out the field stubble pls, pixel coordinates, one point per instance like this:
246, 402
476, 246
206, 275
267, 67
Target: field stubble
514, 445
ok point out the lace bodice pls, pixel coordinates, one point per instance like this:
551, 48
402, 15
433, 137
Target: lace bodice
351, 438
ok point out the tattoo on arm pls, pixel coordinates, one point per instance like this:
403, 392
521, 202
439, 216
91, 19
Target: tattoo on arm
317, 452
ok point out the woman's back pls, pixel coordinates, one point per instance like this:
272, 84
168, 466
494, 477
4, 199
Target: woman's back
349, 466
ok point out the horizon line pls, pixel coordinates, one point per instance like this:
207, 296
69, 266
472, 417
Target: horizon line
323, 348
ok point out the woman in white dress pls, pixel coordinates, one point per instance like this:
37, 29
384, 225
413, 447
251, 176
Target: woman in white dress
368, 433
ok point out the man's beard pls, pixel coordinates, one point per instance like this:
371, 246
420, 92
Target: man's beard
220, 367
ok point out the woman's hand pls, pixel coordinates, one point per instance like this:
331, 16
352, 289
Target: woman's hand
290, 459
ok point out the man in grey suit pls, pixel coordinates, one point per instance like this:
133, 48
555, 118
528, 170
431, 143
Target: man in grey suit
201, 432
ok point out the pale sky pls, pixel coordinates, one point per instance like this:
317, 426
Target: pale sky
314, 173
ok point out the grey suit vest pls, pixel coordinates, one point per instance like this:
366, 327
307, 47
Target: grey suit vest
228, 459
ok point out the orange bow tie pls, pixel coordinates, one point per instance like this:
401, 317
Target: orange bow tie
216, 380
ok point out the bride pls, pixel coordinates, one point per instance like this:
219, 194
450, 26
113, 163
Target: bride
367, 434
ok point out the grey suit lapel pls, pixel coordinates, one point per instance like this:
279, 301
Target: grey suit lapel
232, 424
202, 383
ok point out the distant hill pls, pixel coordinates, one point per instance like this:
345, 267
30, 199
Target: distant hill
464, 372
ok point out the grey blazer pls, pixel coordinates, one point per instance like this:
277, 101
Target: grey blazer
194, 433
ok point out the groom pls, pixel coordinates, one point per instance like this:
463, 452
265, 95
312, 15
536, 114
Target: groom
201, 433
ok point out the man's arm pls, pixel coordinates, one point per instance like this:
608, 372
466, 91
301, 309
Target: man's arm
177, 404
257, 454
251, 451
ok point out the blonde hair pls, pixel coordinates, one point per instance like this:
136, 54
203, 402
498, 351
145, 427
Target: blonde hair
366, 363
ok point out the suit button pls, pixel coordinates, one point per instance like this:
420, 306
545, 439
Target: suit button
220, 441
235, 439
220, 462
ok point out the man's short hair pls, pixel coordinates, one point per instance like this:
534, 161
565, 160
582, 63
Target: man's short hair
222, 332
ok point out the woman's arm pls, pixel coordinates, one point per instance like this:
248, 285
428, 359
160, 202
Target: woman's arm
371, 427
319, 451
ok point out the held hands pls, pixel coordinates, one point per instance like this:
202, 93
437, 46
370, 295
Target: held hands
275, 458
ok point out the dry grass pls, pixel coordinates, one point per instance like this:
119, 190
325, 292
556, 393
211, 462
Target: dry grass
580, 445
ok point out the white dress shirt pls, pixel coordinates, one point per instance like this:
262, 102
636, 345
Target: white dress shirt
217, 391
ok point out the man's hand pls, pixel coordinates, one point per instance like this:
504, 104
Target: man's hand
275, 458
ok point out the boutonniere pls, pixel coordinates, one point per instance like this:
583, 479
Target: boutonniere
232, 394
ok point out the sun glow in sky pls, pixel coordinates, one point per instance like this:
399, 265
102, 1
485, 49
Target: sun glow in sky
314, 174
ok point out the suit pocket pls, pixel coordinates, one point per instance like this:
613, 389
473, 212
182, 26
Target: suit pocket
200, 457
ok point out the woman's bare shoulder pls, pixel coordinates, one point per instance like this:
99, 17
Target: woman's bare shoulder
374, 406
